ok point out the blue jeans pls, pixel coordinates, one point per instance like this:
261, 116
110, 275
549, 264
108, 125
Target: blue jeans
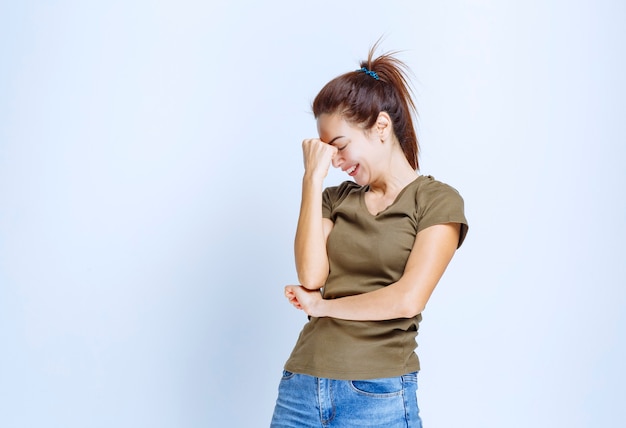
305, 402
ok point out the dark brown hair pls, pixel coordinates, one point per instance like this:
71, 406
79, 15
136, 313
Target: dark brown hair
359, 98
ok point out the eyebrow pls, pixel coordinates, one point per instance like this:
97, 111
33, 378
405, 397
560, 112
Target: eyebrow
335, 139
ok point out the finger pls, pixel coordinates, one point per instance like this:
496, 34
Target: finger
334, 151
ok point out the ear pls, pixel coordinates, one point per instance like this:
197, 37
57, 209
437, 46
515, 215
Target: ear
383, 126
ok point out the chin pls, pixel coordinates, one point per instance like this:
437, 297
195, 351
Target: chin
360, 181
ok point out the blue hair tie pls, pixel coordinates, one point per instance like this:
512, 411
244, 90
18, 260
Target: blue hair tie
371, 73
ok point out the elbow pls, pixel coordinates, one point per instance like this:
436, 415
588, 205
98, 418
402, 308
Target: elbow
410, 309
312, 282
411, 312
312, 276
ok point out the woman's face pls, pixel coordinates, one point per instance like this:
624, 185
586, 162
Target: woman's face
357, 149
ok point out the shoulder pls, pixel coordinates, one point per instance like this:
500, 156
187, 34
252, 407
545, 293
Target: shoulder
340, 192
334, 196
428, 190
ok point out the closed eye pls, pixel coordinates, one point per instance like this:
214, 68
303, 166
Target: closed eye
333, 142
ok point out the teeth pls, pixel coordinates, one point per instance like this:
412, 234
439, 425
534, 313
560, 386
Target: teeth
351, 170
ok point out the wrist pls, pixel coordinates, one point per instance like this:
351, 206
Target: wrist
321, 308
312, 178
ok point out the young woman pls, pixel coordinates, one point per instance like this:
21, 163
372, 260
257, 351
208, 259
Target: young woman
368, 253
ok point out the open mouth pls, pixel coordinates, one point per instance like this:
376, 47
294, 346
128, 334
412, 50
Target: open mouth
352, 171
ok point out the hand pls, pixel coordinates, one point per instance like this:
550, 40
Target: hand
317, 157
310, 301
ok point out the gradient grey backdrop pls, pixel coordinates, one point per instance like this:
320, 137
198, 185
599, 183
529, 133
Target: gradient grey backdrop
149, 187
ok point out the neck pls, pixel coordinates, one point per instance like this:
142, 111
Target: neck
395, 175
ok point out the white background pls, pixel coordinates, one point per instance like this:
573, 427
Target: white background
149, 186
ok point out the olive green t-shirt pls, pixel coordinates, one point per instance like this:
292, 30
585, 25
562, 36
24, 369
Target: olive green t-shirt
367, 252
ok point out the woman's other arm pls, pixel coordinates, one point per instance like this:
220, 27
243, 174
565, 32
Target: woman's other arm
432, 251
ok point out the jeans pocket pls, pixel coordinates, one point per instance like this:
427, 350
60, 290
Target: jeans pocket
287, 375
386, 387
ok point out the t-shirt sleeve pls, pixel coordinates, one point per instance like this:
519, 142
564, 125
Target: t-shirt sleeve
327, 202
333, 196
439, 203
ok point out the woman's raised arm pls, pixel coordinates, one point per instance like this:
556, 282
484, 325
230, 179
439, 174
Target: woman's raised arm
313, 230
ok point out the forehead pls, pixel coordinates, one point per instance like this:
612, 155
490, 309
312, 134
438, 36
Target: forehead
331, 126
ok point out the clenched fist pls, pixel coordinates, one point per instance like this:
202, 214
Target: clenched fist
317, 157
